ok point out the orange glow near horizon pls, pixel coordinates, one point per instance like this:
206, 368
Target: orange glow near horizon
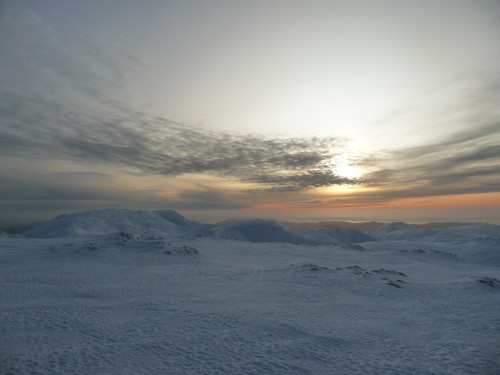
482, 200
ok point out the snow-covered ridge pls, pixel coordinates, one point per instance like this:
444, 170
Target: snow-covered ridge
108, 221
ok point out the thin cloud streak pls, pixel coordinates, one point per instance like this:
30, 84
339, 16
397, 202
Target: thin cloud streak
468, 162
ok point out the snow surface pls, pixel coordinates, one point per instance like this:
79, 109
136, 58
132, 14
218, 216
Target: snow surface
98, 299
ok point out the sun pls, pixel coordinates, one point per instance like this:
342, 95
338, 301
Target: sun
347, 171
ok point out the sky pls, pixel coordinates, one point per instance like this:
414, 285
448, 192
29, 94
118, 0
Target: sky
317, 110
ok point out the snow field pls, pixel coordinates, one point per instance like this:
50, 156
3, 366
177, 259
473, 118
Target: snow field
127, 304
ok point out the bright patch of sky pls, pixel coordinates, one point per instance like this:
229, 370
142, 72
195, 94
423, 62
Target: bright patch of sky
337, 68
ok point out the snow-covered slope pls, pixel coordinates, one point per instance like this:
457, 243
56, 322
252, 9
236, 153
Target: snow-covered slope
116, 220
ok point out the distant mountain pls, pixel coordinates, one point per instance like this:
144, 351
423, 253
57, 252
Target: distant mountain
18, 228
446, 224
170, 223
337, 236
366, 226
259, 230
390, 228
117, 220
406, 232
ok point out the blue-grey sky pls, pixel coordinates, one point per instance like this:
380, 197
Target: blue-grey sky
248, 106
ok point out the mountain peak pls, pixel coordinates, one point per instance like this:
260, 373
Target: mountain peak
108, 221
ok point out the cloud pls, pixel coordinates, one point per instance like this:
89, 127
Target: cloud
64, 104
50, 187
475, 136
62, 99
466, 162
206, 198
32, 192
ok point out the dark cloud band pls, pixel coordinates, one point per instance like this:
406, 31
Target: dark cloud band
131, 139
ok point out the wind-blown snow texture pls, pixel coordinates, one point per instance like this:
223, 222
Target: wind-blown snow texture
125, 292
